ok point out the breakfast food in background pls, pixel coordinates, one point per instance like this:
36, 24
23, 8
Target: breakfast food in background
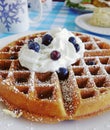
87, 4
81, 4
56, 75
100, 17
101, 3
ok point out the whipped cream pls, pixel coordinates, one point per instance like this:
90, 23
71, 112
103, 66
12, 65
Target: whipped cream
41, 61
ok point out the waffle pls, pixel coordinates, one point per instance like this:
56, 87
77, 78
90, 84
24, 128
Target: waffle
43, 97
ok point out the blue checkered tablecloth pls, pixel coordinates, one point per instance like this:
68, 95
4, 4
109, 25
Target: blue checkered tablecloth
60, 15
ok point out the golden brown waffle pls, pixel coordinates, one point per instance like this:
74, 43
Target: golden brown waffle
43, 97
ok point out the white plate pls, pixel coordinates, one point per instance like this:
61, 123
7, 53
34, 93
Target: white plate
82, 22
101, 122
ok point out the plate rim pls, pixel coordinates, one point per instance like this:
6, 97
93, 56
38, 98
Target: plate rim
90, 27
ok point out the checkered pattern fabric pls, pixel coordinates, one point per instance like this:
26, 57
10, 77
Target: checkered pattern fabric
60, 15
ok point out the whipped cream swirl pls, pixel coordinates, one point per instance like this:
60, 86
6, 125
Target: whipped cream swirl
42, 62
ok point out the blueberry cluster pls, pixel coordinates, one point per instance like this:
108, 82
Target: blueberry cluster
73, 41
54, 55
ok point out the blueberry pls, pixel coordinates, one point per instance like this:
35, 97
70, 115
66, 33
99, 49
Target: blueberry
90, 63
55, 55
34, 46
77, 47
63, 73
31, 45
72, 40
46, 39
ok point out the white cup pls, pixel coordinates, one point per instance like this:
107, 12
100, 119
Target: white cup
46, 5
14, 16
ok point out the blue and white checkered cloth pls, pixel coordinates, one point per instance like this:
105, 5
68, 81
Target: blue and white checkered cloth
59, 16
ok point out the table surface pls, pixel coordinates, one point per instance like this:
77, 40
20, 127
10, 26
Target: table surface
59, 16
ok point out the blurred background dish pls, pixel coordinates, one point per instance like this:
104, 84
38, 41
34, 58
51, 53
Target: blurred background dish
101, 17
86, 6
83, 6
83, 22
101, 3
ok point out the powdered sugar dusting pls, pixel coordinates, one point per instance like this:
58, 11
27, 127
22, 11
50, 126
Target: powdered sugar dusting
67, 88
